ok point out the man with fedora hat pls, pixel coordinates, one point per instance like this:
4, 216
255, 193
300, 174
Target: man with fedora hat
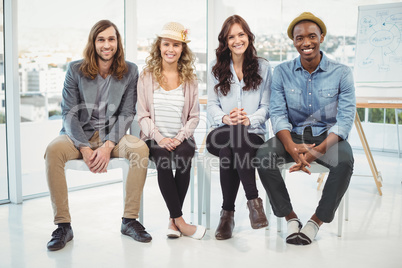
312, 109
99, 96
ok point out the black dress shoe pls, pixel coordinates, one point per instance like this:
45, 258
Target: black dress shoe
135, 229
60, 237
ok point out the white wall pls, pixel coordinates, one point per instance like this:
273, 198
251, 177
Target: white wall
379, 137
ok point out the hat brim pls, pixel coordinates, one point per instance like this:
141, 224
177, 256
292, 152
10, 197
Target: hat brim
308, 17
173, 38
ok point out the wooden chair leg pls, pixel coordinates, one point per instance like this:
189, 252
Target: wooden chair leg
320, 180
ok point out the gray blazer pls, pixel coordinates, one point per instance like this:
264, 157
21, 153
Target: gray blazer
79, 96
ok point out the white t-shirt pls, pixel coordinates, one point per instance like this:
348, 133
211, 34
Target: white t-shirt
168, 106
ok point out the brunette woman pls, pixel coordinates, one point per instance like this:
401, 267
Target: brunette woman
238, 100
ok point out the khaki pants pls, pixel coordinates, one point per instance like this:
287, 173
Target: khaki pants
62, 149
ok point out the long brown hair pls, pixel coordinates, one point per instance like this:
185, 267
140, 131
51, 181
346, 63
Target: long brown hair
221, 69
89, 66
185, 63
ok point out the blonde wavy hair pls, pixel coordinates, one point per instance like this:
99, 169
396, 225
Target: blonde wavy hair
185, 64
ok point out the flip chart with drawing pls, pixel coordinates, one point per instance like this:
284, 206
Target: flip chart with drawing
379, 43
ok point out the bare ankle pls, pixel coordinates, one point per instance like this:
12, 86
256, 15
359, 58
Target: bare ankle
291, 215
172, 225
179, 221
317, 220
185, 228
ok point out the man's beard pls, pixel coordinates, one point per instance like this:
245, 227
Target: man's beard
105, 60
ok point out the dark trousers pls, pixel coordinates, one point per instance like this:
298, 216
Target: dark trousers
173, 188
236, 148
338, 159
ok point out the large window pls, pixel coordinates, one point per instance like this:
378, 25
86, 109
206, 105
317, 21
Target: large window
153, 14
56, 34
49, 38
269, 19
3, 151
53, 33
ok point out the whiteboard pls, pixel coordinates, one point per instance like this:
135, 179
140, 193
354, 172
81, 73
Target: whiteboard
379, 44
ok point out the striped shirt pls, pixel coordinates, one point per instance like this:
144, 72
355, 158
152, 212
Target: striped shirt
168, 106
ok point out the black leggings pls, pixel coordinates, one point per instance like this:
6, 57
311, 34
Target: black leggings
173, 188
236, 149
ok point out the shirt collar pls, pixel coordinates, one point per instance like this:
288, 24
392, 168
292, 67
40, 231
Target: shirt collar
235, 78
322, 66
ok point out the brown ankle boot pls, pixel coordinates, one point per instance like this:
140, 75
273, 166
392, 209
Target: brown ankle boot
225, 226
257, 215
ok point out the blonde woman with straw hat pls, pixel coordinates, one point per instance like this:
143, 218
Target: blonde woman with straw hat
168, 113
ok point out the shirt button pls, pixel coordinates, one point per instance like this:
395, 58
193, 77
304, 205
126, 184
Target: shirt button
309, 105
309, 93
311, 115
328, 94
309, 80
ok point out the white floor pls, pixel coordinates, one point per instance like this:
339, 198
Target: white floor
371, 238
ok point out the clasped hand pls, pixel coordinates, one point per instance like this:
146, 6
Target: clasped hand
97, 160
237, 116
303, 154
169, 144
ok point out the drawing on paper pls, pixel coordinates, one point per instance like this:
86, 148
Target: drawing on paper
379, 48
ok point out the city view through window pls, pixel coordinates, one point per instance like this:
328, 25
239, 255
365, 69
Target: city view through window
56, 34
47, 43
49, 40
3, 166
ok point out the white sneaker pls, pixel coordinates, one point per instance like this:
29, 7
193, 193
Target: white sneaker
294, 227
308, 233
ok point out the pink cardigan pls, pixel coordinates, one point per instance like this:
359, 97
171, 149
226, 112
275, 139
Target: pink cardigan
147, 84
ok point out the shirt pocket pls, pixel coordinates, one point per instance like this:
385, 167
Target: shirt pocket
293, 98
328, 97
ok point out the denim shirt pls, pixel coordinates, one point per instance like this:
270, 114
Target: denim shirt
254, 102
323, 100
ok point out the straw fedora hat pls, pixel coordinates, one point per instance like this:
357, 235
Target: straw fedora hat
175, 31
